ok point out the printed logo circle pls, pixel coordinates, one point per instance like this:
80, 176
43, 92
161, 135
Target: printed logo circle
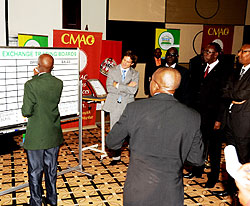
166, 40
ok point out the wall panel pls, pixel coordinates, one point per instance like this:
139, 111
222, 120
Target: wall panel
187, 35
2, 23
137, 10
238, 39
248, 14
206, 12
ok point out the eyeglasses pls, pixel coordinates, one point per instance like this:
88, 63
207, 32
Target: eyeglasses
243, 51
208, 52
171, 55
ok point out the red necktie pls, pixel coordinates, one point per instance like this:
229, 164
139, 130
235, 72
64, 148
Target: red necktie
206, 72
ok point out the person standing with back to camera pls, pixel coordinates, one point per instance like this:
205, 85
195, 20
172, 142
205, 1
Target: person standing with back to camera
44, 134
163, 134
122, 84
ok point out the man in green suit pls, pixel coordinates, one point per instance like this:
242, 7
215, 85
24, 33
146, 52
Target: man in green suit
44, 134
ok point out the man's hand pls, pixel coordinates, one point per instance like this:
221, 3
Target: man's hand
36, 71
244, 190
132, 84
234, 102
217, 125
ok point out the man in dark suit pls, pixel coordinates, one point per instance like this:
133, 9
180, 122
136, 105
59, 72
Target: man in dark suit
44, 134
151, 66
238, 114
207, 83
163, 134
183, 92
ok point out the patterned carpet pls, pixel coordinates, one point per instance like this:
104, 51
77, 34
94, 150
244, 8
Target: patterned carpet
75, 188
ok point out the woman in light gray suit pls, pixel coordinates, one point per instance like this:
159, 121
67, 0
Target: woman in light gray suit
122, 84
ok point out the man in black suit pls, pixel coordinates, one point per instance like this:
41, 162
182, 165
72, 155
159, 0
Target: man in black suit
183, 92
163, 134
238, 114
237, 128
151, 66
207, 83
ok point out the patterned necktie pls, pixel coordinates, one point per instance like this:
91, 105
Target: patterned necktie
119, 100
123, 75
242, 71
206, 72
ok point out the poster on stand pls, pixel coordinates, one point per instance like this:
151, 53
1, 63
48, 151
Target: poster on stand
89, 44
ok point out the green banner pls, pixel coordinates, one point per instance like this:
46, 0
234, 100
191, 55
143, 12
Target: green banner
167, 38
29, 40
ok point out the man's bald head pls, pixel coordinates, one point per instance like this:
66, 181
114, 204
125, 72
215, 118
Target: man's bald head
165, 80
45, 63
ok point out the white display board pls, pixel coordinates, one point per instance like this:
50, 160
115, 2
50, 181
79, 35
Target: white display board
16, 67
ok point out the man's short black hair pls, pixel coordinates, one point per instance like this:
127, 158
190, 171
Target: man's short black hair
216, 46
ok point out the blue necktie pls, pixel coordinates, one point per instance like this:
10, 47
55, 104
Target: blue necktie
123, 75
123, 78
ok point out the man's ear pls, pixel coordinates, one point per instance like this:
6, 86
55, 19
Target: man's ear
216, 54
157, 86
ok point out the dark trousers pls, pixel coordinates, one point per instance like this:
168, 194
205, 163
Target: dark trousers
214, 152
40, 161
241, 143
213, 142
237, 135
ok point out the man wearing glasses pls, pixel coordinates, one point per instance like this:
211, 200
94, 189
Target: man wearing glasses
183, 92
237, 91
207, 83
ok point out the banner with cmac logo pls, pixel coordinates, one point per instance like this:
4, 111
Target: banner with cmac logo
89, 44
221, 34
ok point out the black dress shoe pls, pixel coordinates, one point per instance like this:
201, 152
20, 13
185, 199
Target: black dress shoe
47, 202
191, 175
220, 193
188, 175
210, 183
114, 162
235, 200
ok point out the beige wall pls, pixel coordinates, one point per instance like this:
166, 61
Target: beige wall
2, 23
137, 10
94, 15
248, 14
238, 39
29, 17
141, 69
187, 34
228, 11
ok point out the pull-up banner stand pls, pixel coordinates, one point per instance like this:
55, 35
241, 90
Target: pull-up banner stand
89, 44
